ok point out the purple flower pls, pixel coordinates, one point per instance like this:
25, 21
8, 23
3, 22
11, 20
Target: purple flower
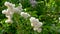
33, 2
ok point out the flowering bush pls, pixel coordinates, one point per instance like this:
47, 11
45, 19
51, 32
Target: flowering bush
30, 17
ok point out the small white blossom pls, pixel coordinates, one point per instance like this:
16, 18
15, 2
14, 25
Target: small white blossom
8, 21
7, 13
25, 15
4, 11
18, 9
34, 20
37, 29
11, 10
36, 24
9, 17
9, 5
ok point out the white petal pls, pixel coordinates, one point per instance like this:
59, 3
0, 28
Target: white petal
4, 11
39, 30
25, 15
35, 28
8, 21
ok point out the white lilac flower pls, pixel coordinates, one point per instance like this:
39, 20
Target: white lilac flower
9, 5
25, 15
34, 20
11, 10
7, 13
39, 29
9, 17
18, 8
9, 21
4, 11
35, 29
36, 24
